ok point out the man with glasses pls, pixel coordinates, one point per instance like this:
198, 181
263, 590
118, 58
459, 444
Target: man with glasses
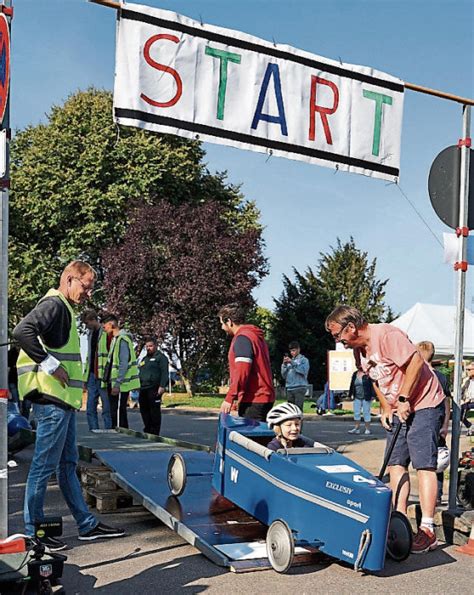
467, 398
410, 394
50, 375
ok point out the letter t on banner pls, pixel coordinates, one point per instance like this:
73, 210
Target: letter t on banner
225, 58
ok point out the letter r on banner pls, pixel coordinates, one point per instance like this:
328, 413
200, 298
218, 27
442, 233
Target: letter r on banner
324, 112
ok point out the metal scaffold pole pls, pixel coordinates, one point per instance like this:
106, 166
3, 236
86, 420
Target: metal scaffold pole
4, 185
461, 268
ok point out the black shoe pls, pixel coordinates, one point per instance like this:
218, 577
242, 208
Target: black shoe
51, 544
101, 531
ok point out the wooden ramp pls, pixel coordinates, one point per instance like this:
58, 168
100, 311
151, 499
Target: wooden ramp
225, 534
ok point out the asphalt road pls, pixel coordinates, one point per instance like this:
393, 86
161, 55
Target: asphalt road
202, 428
153, 559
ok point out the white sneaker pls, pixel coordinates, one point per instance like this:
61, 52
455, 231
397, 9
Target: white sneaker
367, 432
354, 431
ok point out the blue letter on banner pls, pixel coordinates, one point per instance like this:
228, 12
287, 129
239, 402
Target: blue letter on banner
272, 70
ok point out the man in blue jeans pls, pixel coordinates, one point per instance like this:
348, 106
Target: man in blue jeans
96, 357
50, 375
294, 369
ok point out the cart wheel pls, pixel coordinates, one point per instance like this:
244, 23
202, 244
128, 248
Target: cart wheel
400, 537
177, 474
280, 546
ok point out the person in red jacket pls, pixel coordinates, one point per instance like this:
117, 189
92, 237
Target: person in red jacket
251, 381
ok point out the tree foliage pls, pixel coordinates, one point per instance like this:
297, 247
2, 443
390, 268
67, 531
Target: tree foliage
343, 276
73, 179
347, 277
174, 268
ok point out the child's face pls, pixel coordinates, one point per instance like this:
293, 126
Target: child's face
290, 429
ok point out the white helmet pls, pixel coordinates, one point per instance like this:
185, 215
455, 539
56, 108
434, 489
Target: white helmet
443, 459
283, 412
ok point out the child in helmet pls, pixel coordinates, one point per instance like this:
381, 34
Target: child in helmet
285, 419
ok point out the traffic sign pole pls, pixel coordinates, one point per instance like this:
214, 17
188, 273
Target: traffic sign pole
4, 125
461, 298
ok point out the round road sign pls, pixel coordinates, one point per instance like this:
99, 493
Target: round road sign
4, 65
443, 186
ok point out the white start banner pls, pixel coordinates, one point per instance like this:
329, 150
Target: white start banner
175, 75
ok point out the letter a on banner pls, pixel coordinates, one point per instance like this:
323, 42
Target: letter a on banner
177, 76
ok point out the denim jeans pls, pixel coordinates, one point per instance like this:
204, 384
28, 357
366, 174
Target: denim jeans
296, 396
322, 402
364, 406
55, 450
94, 391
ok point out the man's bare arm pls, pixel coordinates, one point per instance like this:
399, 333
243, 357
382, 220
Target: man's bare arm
412, 374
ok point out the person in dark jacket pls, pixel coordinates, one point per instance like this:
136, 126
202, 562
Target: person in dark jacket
362, 391
153, 370
251, 383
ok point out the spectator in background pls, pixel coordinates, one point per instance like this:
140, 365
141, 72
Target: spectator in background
97, 355
326, 401
467, 398
153, 371
294, 369
427, 350
362, 392
121, 371
251, 382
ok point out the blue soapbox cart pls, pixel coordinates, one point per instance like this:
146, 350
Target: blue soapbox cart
309, 497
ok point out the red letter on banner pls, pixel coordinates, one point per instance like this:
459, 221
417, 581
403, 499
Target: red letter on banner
158, 66
324, 112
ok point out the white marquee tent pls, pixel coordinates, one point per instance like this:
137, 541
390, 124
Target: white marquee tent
430, 322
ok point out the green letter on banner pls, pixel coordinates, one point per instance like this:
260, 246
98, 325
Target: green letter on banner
225, 58
379, 101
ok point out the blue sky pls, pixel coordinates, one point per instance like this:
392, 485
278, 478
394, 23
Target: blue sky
60, 46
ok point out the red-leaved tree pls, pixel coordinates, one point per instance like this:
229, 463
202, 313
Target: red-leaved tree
174, 268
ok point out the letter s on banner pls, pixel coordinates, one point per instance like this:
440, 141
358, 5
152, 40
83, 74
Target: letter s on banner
162, 67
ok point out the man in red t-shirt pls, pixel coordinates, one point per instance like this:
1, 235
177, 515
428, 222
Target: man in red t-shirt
251, 382
410, 394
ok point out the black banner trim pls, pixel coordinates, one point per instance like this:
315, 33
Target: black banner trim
253, 140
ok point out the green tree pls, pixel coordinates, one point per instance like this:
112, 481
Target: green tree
73, 179
347, 277
344, 276
299, 315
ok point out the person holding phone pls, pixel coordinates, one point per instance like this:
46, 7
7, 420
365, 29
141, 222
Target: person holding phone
294, 369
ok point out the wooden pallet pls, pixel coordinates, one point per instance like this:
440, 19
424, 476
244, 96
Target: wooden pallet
116, 500
101, 491
98, 478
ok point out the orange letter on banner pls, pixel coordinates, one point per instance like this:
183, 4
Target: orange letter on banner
168, 69
324, 112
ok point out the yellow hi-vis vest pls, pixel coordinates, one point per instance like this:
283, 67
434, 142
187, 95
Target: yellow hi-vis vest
32, 379
131, 381
102, 355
